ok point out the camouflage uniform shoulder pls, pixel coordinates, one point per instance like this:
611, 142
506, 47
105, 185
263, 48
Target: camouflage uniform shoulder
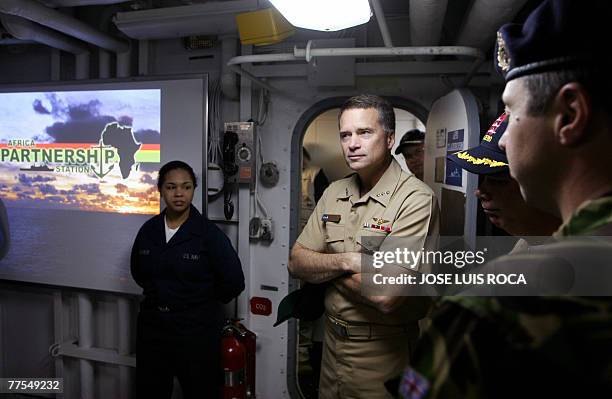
512, 347
483, 347
589, 217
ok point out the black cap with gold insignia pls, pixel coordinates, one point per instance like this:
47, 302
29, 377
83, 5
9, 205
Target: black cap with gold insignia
487, 158
558, 34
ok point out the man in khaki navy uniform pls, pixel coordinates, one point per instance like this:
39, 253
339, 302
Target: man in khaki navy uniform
367, 338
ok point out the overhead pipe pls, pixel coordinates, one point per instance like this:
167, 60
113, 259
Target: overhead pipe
37, 12
13, 41
124, 60
382, 22
24, 29
426, 19
308, 53
79, 3
82, 66
144, 48
483, 20
229, 80
27, 30
104, 63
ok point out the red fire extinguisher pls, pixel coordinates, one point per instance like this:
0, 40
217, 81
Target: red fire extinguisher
238, 347
233, 361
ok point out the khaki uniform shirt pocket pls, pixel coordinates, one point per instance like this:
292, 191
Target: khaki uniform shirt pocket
370, 240
334, 238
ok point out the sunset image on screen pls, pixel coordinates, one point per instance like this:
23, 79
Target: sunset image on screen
95, 151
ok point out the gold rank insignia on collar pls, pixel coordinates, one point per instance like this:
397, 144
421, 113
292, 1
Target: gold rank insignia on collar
383, 193
328, 217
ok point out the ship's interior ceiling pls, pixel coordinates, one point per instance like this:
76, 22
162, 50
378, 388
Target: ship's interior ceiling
470, 23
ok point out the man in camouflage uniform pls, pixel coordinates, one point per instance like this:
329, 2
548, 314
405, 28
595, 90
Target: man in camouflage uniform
556, 66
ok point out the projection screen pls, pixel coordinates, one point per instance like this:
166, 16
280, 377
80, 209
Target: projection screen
78, 173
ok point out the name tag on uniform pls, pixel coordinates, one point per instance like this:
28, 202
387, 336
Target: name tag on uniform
191, 256
328, 217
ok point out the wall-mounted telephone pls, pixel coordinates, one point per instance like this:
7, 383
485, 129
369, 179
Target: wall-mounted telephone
230, 139
243, 144
230, 168
238, 160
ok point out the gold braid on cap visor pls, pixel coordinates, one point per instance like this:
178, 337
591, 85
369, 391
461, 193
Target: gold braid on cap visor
480, 161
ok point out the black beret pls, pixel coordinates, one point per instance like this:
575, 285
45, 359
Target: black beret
558, 34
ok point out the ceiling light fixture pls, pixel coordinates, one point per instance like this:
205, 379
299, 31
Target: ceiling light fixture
324, 15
